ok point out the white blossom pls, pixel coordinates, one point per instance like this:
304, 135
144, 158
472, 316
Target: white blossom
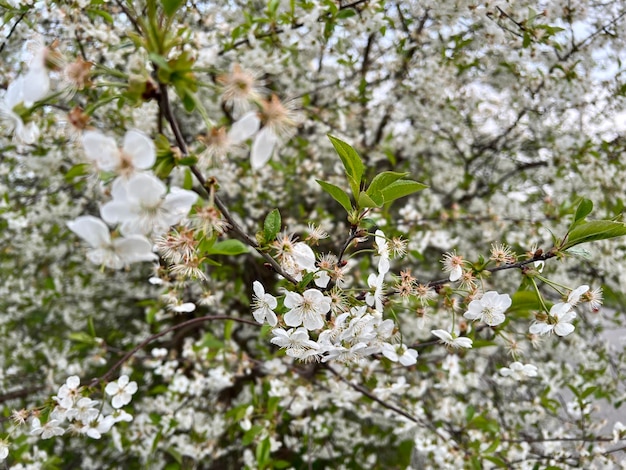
142, 206
519, 371
489, 308
453, 341
309, 309
263, 305
122, 391
116, 253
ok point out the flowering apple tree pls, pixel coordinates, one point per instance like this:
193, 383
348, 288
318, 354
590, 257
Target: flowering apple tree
312, 234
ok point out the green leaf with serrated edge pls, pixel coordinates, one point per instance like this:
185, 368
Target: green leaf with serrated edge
365, 200
228, 247
583, 210
351, 162
382, 180
337, 194
401, 188
594, 231
272, 225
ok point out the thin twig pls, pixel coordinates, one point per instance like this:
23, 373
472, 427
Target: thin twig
12, 30
239, 231
365, 392
151, 338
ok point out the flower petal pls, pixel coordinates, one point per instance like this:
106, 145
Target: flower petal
36, 85
262, 148
244, 128
146, 189
134, 248
140, 148
101, 150
91, 229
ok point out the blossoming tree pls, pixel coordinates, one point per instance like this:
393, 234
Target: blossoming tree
312, 234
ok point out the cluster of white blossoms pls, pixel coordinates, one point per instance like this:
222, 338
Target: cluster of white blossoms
519, 371
562, 314
342, 334
77, 413
273, 121
141, 205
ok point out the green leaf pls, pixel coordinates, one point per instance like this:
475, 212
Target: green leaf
228, 247
382, 180
272, 225
263, 452
101, 13
583, 210
82, 337
161, 62
170, 6
272, 6
492, 447
351, 162
594, 231
365, 200
497, 460
337, 194
280, 464
188, 180
346, 13
250, 434
188, 160
401, 188
523, 302
81, 169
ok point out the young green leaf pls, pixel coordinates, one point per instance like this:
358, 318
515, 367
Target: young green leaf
382, 180
272, 225
228, 247
365, 200
337, 194
170, 6
593, 231
352, 163
401, 188
583, 210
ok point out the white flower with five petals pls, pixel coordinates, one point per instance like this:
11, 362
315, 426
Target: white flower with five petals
489, 308
308, 309
122, 391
